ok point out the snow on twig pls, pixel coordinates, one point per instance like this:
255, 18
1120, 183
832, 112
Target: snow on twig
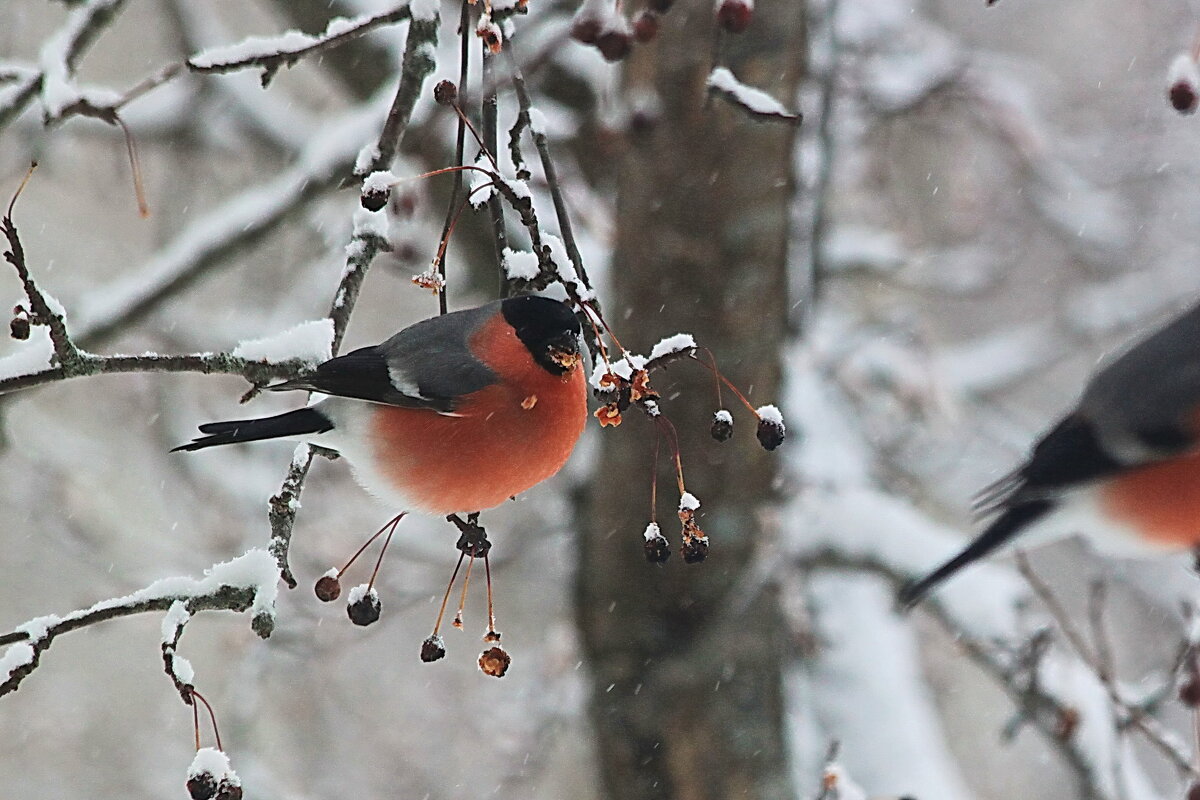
273, 52
246, 583
754, 102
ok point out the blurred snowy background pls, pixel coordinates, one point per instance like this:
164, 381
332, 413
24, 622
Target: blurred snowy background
982, 202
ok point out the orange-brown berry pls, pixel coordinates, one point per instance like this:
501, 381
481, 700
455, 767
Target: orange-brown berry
494, 661
328, 588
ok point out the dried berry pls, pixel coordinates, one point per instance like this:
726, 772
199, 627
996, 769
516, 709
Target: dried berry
771, 430
1189, 693
694, 549
722, 425
1193, 792
19, 328
645, 27
494, 661
614, 45
585, 30
734, 15
432, 649
1183, 97
363, 605
228, 791
1183, 84
445, 93
608, 415
328, 588
202, 786
655, 545
374, 199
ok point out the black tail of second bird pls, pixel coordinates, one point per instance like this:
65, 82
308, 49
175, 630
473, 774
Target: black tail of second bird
1000, 531
291, 423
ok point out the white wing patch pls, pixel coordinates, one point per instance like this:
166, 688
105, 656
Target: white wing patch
404, 384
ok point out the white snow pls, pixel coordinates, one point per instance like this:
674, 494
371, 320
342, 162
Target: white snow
213, 762
359, 592
16, 656
679, 343
688, 502
537, 122
175, 618
424, 10
652, 532
183, 670
754, 100
379, 181
771, 414
32, 356
480, 182
521, 264
1183, 69
310, 341
722, 415
332, 572
287, 42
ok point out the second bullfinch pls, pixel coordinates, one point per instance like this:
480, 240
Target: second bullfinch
456, 413
1122, 468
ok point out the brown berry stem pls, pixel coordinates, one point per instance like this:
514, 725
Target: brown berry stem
212, 716
654, 481
437, 625
388, 540
462, 598
668, 429
439, 259
135, 168
727, 382
392, 522
716, 374
21, 188
491, 635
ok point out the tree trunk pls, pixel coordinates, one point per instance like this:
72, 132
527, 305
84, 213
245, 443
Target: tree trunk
686, 658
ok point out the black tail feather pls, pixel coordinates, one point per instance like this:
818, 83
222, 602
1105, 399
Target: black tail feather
1002, 529
291, 423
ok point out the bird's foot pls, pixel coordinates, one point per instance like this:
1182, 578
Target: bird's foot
472, 540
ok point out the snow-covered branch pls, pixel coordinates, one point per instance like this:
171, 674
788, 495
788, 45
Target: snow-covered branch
273, 52
754, 102
247, 583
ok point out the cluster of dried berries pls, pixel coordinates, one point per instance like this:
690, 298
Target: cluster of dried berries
695, 543
210, 777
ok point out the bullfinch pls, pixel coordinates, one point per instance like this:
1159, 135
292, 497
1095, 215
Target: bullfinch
454, 414
1122, 468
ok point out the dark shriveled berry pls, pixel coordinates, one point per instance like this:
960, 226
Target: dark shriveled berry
432, 649
734, 15
228, 791
694, 549
19, 328
657, 550
770, 433
586, 30
365, 610
1193, 792
328, 588
614, 45
202, 786
722, 426
1183, 97
445, 93
494, 661
374, 199
1189, 693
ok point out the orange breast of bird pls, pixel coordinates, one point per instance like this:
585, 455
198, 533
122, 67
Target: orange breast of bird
1160, 501
501, 441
